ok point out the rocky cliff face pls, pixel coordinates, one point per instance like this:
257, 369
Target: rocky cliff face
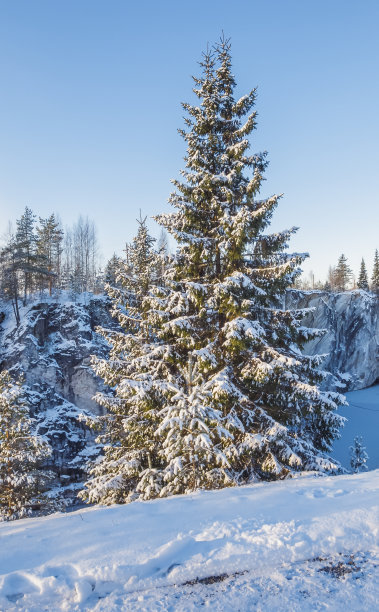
51, 349
351, 341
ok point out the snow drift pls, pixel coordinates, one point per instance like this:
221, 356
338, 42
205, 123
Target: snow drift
280, 546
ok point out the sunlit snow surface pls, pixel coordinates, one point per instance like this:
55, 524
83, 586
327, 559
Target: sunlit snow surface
363, 420
305, 544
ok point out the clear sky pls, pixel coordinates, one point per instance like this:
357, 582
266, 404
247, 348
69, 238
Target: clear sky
90, 107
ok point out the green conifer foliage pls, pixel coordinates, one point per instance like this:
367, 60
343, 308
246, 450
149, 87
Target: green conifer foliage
22, 482
26, 249
127, 430
226, 295
211, 386
362, 279
375, 273
111, 270
358, 455
49, 250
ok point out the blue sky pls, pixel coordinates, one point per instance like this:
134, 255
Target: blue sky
90, 107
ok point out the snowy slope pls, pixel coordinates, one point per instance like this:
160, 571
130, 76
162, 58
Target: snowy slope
306, 544
362, 415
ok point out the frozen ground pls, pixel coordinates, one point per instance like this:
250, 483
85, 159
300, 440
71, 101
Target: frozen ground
363, 420
302, 545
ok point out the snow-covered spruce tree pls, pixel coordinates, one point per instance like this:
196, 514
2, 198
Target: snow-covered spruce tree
211, 386
224, 305
127, 430
111, 270
22, 481
375, 273
358, 455
362, 279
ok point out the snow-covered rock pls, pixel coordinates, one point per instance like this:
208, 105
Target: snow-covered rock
352, 339
51, 350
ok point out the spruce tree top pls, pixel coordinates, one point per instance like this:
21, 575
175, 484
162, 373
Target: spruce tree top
219, 213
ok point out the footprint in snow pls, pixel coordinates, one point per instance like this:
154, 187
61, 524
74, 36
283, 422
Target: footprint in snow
66, 572
16, 585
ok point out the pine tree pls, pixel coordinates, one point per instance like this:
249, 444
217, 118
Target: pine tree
362, 279
26, 249
22, 482
9, 276
375, 273
49, 249
342, 274
211, 386
359, 456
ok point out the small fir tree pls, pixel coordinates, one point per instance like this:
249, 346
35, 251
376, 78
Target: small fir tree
362, 279
22, 481
342, 274
358, 455
142, 262
375, 273
111, 270
127, 430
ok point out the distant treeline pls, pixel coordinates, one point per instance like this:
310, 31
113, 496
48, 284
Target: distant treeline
41, 256
342, 278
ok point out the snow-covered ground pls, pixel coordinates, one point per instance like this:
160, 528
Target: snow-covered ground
363, 420
305, 544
